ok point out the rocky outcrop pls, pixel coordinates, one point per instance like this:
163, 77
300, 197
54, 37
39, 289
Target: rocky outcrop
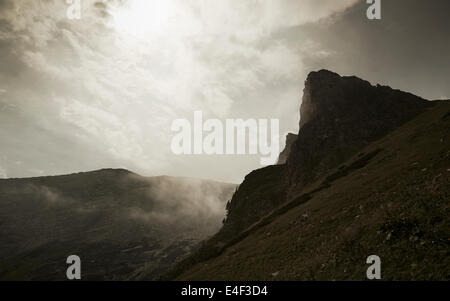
290, 139
338, 117
391, 197
261, 192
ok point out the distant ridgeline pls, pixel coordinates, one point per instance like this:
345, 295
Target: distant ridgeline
121, 225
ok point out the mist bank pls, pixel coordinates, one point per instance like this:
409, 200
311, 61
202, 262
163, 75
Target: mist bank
129, 226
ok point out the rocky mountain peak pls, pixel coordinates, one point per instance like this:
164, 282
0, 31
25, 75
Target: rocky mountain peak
323, 91
290, 140
339, 115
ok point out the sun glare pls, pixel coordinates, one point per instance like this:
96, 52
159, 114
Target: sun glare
138, 17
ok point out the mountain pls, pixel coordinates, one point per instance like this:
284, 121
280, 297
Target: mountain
290, 140
367, 174
340, 116
121, 225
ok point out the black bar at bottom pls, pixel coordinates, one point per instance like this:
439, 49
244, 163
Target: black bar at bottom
216, 290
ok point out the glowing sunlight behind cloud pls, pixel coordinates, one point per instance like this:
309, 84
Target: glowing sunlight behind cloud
102, 91
143, 16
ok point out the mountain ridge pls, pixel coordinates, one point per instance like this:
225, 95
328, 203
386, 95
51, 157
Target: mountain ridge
327, 140
272, 192
122, 225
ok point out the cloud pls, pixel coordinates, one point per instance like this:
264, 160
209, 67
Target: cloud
112, 82
50, 196
3, 173
250, 19
260, 17
185, 203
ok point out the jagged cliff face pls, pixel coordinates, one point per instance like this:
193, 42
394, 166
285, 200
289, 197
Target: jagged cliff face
391, 199
366, 172
290, 140
260, 193
339, 116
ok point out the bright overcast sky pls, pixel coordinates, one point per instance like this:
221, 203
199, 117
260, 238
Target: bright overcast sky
102, 91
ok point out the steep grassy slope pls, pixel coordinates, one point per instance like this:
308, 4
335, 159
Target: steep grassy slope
340, 115
391, 199
122, 225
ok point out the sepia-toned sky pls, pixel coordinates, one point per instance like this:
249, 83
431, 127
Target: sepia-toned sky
102, 91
